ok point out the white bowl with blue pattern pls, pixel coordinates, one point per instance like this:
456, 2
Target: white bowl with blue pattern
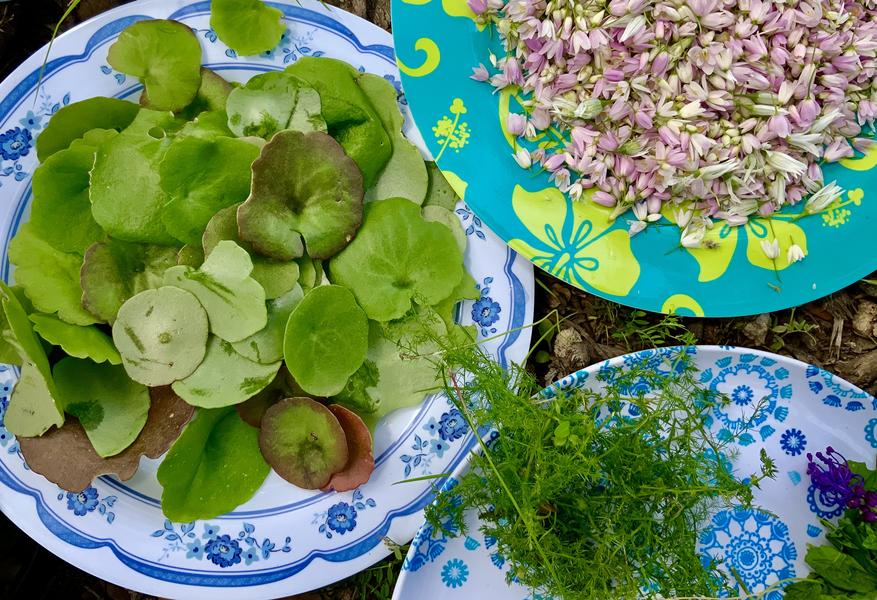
285, 540
806, 410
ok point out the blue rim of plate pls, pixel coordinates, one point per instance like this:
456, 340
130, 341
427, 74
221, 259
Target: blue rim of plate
437, 45
78, 538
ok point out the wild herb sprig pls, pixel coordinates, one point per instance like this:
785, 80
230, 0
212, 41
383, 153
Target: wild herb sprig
595, 495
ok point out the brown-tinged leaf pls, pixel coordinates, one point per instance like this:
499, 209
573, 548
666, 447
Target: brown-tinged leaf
65, 457
360, 458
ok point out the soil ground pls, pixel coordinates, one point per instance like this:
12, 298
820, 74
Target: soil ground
838, 333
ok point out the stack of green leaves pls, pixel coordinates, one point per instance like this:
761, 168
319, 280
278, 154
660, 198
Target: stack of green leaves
594, 494
235, 246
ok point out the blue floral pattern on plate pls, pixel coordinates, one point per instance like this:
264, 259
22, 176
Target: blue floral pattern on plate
223, 550
789, 416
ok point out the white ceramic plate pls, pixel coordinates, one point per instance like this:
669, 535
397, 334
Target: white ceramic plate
806, 410
285, 540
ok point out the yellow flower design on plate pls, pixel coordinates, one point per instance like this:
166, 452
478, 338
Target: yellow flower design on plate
573, 241
432, 58
452, 132
715, 254
837, 213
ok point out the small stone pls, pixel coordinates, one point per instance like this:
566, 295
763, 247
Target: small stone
756, 330
865, 318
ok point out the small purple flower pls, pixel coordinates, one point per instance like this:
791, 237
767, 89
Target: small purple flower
83, 502
838, 484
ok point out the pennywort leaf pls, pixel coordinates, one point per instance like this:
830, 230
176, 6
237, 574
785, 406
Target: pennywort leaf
165, 55
214, 467
109, 405
246, 26
80, 341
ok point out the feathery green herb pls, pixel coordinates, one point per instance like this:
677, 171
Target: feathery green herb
595, 494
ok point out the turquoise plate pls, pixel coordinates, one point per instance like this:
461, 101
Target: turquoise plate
437, 44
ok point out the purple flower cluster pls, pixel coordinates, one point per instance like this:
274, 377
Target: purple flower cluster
722, 108
839, 485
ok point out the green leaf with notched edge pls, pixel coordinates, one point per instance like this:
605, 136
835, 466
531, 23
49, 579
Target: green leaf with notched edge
214, 467
272, 102
450, 220
234, 301
49, 278
398, 257
276, 277
209, 124
349, 115
224, 378
405, 373
248, 27
61, 209
211, 96
326, 340
80, 341
201, 175
165, 55
404, 175
34, 405
127, 200
266, 346
439, 192
113, 271
161, 335
74, 120
304, 186
110, 407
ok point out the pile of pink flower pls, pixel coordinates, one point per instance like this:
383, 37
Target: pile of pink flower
722, 109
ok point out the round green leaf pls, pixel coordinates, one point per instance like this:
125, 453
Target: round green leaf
439, 192
224, 378
161, 335
126, 196
49, 278
110, 407
61, 209
202, 175
275, 277
214, 467
304, 186
34, 405
404, 175
165, 55
72, 121
266, 346
248, 27
76, 340
211, 96
348, 113
113, 271
398, 257
303, 441
272, 102
326, 340
440, 214
234, 301
208, 124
